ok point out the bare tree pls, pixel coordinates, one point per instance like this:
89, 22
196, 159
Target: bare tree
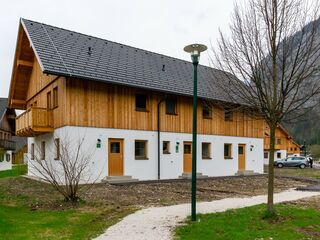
67, 168
273, 51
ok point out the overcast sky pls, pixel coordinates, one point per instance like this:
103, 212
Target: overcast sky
162, 26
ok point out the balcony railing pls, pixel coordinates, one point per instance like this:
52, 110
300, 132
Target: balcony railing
34, 121
7, 144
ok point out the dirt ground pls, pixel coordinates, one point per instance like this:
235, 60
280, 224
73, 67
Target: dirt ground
40, 195
157, 194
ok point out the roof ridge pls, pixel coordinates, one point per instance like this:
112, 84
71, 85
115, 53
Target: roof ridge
160, 54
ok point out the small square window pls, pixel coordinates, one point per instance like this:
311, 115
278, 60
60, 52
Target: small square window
266, 155
206, 150
278, 154
228, 114
295, 149
278, 141
227, 151
206, 111
141, 102
171, 105
140, 149
115, 147
166, 147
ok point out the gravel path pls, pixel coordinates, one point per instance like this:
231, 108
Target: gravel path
158, 222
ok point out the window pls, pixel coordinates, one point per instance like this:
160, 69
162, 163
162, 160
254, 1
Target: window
187, 149
55, 97
1, 157
227, 151
32, 151
206, 111
49, 100
166, 147
228, 114
140, 149
141, 102
8, 157
295, 149
291, 149
57, 145
115, 147
43, 150
266, 155
278, 154
206, 151
278, 141
171, 105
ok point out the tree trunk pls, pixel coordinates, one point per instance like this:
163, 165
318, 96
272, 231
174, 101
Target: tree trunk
271, 168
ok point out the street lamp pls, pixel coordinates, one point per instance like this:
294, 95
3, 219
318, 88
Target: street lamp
194, 50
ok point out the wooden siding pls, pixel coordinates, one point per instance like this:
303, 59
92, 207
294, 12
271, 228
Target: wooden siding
97, 104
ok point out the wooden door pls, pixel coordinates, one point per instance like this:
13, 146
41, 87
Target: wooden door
241, 156
115, 157
187, 157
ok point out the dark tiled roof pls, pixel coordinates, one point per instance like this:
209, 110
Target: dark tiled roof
68, 53
3, 106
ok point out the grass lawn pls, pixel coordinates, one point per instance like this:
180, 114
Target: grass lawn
16, 170
297, 172
292, 222
38, 212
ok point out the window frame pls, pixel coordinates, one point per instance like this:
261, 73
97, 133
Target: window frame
145, 157
55, 101
228, 114
32, 151
173, 100
57, 148
264, 155
208, 157
279, 153
209, 109
43, 150
278, 141
49, 100
229, 156
146, 99
169, 147
8, 157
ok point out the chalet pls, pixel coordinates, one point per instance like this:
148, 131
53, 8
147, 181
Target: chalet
133, 106
7, 146
284, 146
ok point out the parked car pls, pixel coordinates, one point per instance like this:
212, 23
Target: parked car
300, 162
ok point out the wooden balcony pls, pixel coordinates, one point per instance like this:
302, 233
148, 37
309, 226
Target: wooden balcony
7, 144
34, 121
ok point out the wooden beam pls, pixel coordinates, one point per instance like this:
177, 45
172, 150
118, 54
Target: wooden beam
24, 63
17, 101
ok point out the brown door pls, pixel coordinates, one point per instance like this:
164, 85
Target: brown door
115, 157
187, 157
242, 157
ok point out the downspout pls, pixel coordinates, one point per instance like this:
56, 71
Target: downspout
158, 129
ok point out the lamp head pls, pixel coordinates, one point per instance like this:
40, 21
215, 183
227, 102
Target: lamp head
195, 50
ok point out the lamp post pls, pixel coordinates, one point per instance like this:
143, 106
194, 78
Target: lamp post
194, 50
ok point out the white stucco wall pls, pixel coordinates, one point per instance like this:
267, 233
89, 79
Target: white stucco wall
171, 164
283, 155
5, 165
